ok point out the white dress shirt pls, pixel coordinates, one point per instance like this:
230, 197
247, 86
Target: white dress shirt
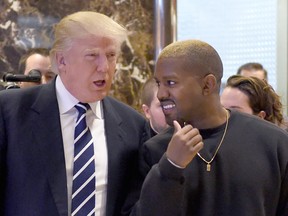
95, 122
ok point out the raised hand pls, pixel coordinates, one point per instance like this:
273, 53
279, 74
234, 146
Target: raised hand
184, 145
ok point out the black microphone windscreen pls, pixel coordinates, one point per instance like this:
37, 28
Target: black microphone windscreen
34, 76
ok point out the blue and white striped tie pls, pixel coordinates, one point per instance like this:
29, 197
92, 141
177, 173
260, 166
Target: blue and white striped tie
83, 190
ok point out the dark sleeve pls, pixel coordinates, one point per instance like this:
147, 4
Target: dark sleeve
153, 149
282, 156
2, 162
162, 191
283, 201
146, 159
163, 186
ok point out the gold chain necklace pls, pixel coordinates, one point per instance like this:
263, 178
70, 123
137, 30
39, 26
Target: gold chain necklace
209, 162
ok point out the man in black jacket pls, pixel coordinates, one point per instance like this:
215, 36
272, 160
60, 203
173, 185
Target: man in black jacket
242, 168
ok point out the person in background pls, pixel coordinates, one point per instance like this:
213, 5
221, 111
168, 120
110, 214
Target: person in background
242, 168
39, 174
36, 59
253, 69
151, 107
253, 96
257, 70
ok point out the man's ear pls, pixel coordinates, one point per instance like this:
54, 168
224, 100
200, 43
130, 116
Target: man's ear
209, 84
146, 112
60, 59
262, 114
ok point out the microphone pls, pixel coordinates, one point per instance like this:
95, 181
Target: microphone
33, 76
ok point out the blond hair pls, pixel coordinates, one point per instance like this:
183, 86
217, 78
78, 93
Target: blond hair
196, 56
83, 24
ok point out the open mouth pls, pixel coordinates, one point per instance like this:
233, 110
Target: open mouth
167, 106
100, 83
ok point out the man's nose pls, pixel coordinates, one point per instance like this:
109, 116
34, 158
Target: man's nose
162, 92
102, 64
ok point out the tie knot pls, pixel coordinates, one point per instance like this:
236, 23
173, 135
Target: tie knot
82, 107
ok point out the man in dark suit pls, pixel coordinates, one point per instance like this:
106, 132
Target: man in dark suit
37, 128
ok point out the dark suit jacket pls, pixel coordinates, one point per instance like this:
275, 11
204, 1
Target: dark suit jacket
32, 164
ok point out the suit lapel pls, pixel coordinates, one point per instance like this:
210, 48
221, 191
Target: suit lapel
48, 135
115, 144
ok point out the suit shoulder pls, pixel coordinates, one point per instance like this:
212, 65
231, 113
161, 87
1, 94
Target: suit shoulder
120, 106
20, 95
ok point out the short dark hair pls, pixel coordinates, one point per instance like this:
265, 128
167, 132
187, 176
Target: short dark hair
253, 66
32, 51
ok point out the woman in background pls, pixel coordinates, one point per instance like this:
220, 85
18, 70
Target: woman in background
253, 96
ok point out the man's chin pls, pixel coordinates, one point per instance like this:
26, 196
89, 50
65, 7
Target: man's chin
170, 120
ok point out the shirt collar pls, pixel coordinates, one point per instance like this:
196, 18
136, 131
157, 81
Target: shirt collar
66, 101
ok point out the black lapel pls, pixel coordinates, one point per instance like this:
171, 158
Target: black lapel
115, 138
49, 138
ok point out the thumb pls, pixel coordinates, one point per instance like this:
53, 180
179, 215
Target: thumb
177, 126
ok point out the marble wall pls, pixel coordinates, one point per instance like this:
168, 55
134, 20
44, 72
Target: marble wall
29, 23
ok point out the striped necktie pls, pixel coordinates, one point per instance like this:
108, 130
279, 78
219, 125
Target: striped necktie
83, 189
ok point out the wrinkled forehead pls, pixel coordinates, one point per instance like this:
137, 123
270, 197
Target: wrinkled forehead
96, 42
